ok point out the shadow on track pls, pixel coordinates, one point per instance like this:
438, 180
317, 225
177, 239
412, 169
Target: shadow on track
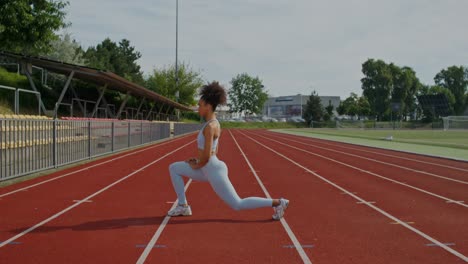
110, 224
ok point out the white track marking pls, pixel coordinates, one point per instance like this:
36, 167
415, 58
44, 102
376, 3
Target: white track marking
382, 162
89, 167
158, 233
290, 233
160, 229
2, 244
337, 144
372, 173
393, 218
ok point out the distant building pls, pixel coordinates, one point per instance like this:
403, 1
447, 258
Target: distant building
294, 105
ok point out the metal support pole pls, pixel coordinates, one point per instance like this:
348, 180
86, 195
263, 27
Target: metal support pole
75, 95
54, 143
122, 106
17, 101
65, 88
128, 135
89, 139
33, 86
139, 107
112, 135
177, 47
108, 108
101, 95
149, 113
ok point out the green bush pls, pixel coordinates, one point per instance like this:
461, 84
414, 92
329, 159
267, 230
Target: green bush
190, 116
13, 79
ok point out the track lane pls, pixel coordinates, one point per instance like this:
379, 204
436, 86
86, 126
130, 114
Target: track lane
445, 163
38, 204
110, 229
336, 174
456, 192
217, 234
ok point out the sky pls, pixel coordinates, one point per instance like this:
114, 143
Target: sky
293, 46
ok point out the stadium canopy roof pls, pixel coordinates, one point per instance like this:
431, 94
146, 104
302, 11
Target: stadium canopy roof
97, 76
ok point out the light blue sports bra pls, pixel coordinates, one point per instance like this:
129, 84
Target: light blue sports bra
201, 137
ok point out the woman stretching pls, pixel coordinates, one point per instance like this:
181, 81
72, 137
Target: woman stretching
208, 168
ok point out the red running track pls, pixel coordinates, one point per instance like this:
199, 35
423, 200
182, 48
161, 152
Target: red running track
117, 224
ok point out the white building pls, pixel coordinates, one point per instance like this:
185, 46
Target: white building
294, 105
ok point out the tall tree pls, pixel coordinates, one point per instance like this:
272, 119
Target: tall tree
162, 81
405, 87
120, 59
66, 49
314, 109
377, 86
28, 26
455, 78
247, 94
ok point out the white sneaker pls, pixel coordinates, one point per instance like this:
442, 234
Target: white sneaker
280, 209
180, 210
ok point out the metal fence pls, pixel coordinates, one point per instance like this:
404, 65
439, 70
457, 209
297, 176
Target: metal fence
29, 146
183, 128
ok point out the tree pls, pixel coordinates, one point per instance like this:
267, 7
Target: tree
405, 87
354, 105
428, 114
363, 106
314, 109
328, 112
456, 80
119, 59
67, 50
162, 81
377, 86
28, 26
247, 94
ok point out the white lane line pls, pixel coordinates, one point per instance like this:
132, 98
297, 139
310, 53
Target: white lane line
393, 218
151, 244
372, 173
382, 162
82, 201
88, 198
370, 202
396, 223
372, 152
87, 168
290, 233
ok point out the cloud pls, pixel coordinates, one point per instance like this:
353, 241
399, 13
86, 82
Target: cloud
293, 46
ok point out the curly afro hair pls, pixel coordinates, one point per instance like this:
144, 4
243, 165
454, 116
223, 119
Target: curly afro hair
213, 94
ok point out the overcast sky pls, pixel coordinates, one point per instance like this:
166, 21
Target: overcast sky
293, 46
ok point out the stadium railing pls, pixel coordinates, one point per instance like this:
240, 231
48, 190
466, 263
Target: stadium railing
30, 144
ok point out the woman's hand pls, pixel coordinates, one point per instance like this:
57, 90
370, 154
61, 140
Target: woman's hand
191, 160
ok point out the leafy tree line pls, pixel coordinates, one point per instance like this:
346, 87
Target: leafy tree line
388, 87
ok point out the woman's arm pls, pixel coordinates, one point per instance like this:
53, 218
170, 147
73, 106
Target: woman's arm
209, 133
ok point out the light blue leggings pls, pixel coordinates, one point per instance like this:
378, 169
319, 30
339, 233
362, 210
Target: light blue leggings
216, 173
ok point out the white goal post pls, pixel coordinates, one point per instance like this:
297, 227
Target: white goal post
455, 122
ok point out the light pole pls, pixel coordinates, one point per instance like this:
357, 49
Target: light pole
176, 56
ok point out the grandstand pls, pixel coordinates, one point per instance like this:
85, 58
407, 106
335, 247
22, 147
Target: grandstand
33, 143
160, 109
